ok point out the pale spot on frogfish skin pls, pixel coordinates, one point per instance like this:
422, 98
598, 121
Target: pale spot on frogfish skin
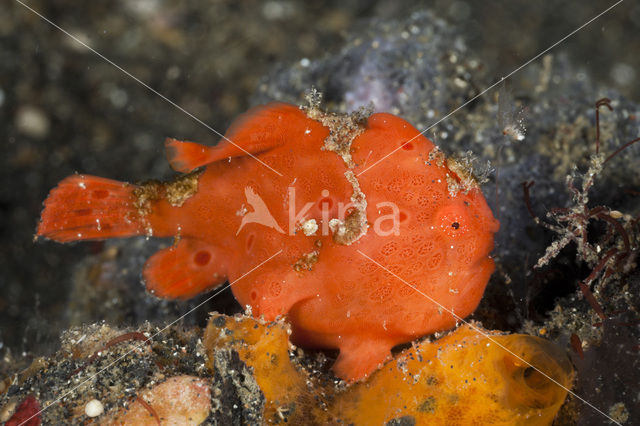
309, 227
355, 224
306, 261
181, 189
242, 211
176, 192
343, 128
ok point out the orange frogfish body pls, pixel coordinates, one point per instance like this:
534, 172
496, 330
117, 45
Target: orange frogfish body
355, 227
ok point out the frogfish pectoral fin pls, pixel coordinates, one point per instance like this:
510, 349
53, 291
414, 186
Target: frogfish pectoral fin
273, 294
184, 270
359, 357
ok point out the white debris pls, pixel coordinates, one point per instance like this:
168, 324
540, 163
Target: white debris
93, 408
309, 227
242, 211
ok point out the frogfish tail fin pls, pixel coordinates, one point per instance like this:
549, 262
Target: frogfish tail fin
84, 207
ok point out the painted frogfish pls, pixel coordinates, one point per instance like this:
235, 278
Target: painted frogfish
351, 225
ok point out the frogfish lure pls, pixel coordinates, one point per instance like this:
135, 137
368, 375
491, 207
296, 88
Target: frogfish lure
356, 256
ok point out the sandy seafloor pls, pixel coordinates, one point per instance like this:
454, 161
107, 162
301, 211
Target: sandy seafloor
63, 109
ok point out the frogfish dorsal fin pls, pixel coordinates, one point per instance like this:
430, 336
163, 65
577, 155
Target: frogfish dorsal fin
184, 270
187, 156
258, 130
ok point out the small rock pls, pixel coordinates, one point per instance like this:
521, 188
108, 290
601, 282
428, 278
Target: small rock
32, 121
93, 408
